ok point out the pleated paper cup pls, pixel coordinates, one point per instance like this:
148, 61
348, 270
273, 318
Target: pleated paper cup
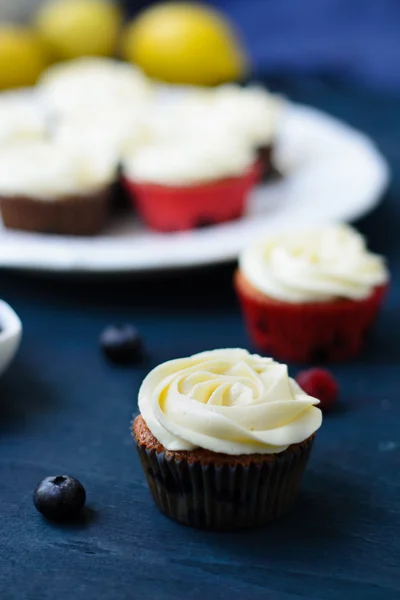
307, 332
219, 491
79, 214
171, 208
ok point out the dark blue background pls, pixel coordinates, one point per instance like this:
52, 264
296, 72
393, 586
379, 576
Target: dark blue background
64, 410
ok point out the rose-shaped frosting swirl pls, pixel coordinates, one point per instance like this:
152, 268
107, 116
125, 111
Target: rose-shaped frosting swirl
313, 266
227, 401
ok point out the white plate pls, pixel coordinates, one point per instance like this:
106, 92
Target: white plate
331, 172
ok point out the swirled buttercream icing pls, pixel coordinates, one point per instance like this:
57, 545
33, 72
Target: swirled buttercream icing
227, 401
313, 266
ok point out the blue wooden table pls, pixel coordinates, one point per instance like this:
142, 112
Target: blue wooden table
64, 410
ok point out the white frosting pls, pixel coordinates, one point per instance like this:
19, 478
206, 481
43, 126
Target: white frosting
102, 131
252, 111
247, 114
180, 119
313, 266
47, 171
21, 118
189, 161
227, 401
87, 83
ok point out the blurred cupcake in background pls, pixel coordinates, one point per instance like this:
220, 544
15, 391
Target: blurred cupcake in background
93, 83
109, 133
190, 182
254, 113
310, 295
250, 114
98, 105
46, 187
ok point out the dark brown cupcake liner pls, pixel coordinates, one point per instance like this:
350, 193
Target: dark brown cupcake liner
269, 171
225, 496
80, 214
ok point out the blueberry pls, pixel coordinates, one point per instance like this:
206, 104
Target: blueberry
59, 498
121, 344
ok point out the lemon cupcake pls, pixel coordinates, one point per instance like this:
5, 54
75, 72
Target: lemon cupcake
224, 438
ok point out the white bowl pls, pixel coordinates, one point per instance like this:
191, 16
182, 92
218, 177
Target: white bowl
10, 335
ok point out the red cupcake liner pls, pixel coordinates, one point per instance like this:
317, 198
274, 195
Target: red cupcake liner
166, 208
310, 332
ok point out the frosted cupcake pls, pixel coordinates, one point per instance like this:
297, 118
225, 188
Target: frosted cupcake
106, 132
224, 438
50, 189
310, 295
90, 83
189, 183
250, 115
255, 115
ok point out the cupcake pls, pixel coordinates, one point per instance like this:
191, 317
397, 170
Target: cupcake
255, 114
21, 118
107, 131
51, 189
90, 83
224, 438
310, 296
189, 183
248, 114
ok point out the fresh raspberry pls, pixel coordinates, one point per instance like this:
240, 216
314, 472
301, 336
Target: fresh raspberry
320, 384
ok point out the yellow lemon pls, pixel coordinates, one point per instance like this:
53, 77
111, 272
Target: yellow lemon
73, 28
184, 43
22, 57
